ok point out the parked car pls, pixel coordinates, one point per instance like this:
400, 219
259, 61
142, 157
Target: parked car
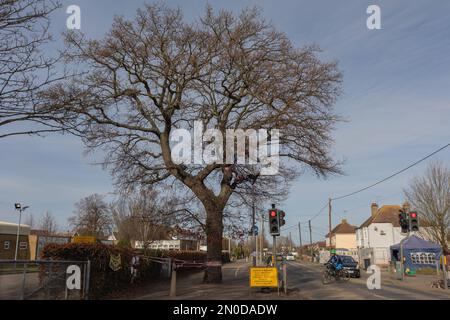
351, 266
290, 257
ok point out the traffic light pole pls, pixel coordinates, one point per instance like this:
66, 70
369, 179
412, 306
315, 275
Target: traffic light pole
274, 257
402, 265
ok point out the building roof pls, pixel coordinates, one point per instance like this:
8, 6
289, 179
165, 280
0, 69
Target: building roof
11, 228
342, 228
385, 214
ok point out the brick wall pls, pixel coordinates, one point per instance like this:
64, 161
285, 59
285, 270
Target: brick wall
8, 254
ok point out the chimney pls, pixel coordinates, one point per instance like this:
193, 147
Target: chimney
374, 209
406, 206
344, 220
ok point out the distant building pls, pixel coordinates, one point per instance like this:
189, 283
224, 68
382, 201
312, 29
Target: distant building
8, 236
343, 236
113, 237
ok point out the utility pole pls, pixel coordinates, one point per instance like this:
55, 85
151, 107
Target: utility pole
300, 239
329, 220
310, 239
290, 242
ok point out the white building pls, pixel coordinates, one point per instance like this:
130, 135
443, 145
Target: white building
375, 236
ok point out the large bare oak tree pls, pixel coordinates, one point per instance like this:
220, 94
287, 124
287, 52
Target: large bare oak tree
25, 67
157, 72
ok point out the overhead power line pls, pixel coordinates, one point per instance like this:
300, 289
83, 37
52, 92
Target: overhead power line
392, 175
318, 213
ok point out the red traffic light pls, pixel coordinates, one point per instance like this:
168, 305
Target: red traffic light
273, 213
413, 215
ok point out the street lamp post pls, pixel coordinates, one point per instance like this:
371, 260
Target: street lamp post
18, 207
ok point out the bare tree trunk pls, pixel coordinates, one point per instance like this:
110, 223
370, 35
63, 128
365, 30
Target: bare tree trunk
214, 230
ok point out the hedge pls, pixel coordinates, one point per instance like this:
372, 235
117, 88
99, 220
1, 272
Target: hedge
187, 255
103, 280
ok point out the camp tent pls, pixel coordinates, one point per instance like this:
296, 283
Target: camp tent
418, 253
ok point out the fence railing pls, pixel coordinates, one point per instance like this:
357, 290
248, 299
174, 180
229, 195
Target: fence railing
44, 279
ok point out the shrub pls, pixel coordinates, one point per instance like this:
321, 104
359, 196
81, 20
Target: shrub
186, 255
103, 280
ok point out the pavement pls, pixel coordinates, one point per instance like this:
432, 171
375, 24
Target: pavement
304, 283
11, 285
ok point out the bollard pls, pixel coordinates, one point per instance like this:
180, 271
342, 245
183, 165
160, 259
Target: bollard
173, 282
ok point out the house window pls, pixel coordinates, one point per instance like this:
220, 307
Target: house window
7, 245
423, 258
23, 245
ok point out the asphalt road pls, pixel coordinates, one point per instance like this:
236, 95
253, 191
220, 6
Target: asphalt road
304, 283
11, 285
306, 278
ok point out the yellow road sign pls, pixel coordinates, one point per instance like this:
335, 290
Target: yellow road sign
263, 277
83, 239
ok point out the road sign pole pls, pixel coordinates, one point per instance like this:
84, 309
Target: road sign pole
256, 250
261, 241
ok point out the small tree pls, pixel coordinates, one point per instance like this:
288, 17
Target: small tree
430, 196
145, 217
92, 217
48, 224
29, 220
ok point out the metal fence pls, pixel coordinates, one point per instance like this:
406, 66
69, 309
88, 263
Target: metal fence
44, 280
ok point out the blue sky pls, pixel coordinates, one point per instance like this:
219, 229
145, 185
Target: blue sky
396, 101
